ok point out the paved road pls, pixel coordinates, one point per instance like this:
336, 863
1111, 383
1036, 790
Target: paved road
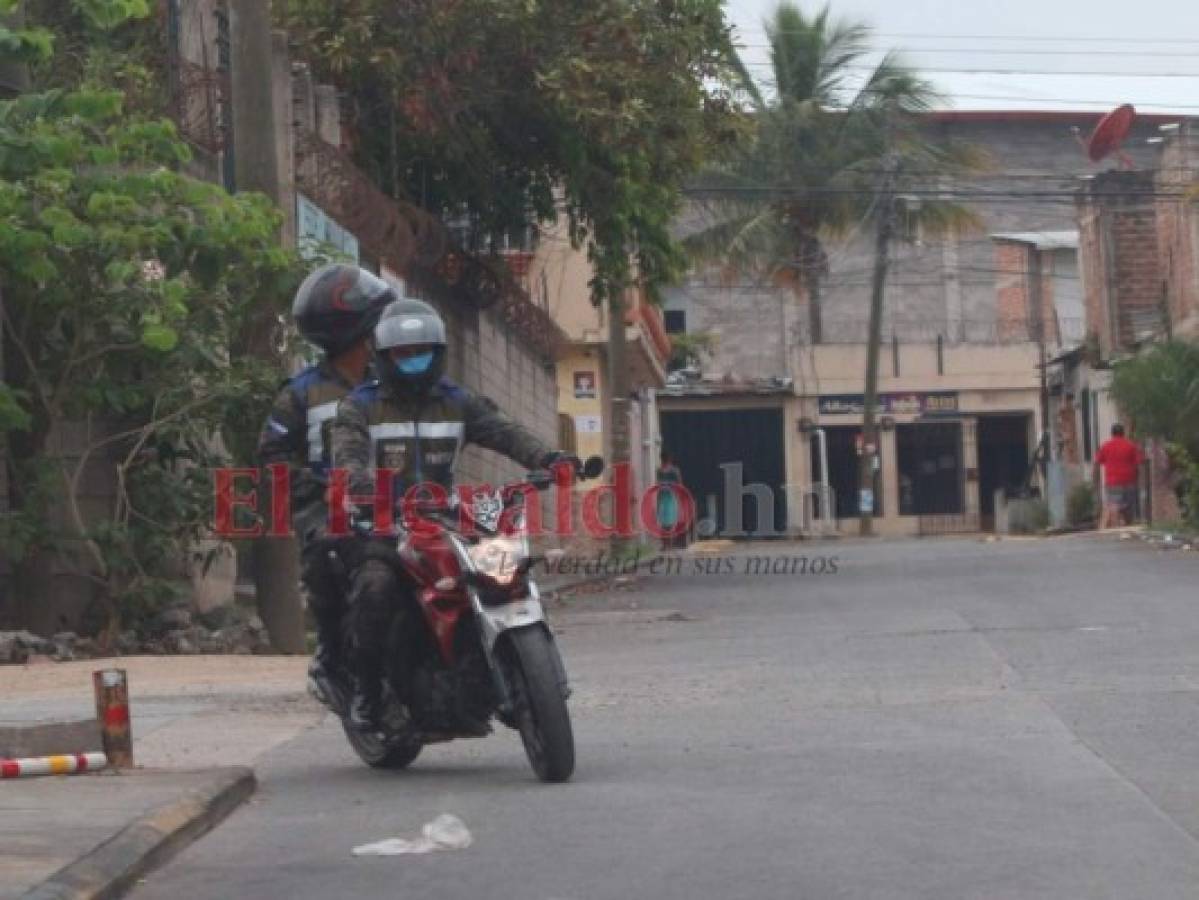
948, 719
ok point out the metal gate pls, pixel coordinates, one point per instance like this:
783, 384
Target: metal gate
932, 479
703, 441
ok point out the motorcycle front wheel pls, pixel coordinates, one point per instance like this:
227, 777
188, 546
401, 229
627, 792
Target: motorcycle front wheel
373, 750
541, 714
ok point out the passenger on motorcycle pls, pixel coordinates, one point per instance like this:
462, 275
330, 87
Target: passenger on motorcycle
335, 309
414, 422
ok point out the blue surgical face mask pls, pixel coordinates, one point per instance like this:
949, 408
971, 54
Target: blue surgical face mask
415, 365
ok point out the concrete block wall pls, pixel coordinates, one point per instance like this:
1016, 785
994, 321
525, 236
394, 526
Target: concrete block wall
1122, 267
1163, 502
937, 285
1178, 228
744, 320
490, 360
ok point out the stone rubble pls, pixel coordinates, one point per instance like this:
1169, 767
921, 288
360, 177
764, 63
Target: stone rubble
174, 631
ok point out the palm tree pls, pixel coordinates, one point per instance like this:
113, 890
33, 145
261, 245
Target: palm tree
811, 171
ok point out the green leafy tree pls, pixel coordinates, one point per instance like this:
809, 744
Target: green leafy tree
513, 114
126, 284
822, 138
1158, 393
33, 29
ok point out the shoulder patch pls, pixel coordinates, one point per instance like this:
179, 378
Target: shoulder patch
365, 394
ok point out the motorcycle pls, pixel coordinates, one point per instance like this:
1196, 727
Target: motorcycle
475, 645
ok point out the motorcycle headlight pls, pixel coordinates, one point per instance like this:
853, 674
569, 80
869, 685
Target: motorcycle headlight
498, 558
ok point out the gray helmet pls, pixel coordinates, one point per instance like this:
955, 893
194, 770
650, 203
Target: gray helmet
338, 305
410, 323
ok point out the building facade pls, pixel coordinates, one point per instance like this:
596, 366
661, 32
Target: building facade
1139, 242
970, 320
562, 274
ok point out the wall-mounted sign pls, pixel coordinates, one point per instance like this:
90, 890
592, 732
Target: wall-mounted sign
585, 386
317, 233
588, 425
897, 404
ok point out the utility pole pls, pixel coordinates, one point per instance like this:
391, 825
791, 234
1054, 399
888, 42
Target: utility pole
870, 446
256, 161
14, 80
1036, 298
618, 403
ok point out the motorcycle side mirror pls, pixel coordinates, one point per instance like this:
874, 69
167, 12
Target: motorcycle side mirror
593, 467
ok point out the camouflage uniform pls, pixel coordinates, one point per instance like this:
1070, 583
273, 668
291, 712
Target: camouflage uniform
419, 438
374, 429
297, 433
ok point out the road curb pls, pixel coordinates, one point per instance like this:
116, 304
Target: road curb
112, 868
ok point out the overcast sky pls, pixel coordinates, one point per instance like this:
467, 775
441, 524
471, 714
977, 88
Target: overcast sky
1141, 36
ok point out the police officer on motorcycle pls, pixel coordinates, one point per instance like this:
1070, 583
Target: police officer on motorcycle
414, 422
336, 309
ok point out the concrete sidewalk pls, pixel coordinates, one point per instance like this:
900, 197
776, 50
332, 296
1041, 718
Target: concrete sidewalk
95, 835
198, 724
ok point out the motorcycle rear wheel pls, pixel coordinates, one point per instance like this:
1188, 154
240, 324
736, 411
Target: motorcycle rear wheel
541, 714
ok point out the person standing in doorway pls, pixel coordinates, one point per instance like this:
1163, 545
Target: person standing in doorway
1121, 460
669, 480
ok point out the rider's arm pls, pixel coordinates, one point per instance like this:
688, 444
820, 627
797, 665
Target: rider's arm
283, 437
490, 428
351, 448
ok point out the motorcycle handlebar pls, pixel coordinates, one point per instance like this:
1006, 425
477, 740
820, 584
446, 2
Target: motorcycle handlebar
543, 479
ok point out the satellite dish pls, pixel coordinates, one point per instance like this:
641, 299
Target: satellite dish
1110, 133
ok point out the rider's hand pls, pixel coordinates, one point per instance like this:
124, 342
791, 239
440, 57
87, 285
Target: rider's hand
556, 458
362, 521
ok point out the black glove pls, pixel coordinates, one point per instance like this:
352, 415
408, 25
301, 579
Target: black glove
362, 521
556, 458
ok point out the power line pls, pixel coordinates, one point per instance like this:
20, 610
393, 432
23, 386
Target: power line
967, 70
1170, 106
1003, 51
949, 194
1007, 37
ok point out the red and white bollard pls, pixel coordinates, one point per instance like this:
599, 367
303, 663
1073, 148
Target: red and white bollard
112, 711
71, 764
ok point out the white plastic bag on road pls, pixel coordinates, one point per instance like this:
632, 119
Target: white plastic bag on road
446, 832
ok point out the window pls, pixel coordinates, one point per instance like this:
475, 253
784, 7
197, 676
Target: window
675, 321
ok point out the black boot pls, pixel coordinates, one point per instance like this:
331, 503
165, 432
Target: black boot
325, 667
321, 671
365, 706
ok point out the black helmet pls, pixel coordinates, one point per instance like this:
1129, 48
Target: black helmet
410, 323
338, 305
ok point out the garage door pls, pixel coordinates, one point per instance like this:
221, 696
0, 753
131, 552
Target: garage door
702, 442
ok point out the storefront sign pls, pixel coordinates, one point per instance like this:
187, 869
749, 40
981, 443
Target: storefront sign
317, 233
896, 404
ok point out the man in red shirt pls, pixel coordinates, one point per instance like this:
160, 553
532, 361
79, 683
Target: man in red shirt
1121, 459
